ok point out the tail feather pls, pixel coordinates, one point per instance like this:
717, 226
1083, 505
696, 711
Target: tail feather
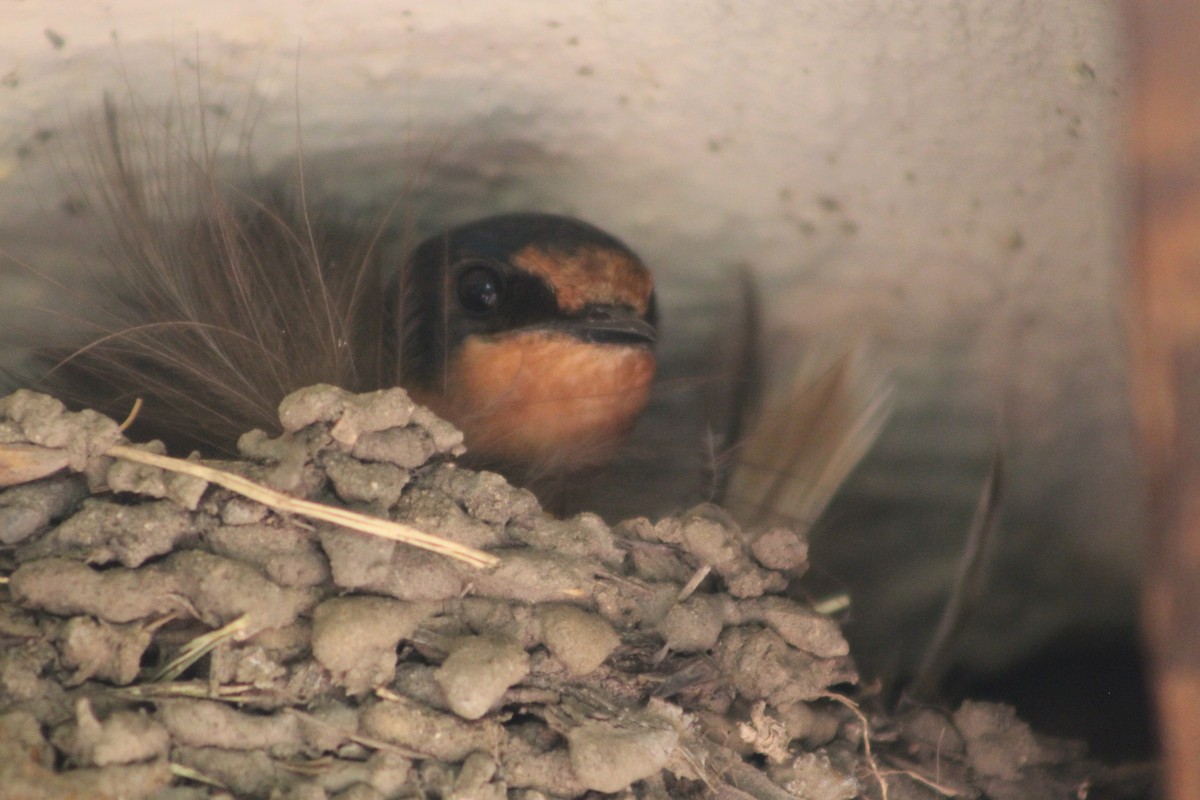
808, 438
793, 434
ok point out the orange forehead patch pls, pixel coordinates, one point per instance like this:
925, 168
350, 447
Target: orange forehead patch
589, 275
545, 399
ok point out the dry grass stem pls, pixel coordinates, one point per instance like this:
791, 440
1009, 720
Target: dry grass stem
196, 649
385, 529
872, 764
195, 775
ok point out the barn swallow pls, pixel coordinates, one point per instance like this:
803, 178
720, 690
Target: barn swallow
533, 333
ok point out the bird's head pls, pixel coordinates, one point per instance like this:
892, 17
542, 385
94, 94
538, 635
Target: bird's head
534, 333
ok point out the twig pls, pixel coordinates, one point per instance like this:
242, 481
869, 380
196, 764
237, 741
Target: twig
697, 578
188, 773
385, 529
944, 791
833, 604
131, 416
866, 739
195, 649
967, 584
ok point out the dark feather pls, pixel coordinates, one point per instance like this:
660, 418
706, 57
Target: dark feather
222, 297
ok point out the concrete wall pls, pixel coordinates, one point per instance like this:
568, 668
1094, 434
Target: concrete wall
936, 175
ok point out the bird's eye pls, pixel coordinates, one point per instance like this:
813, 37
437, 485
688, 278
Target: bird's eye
480, 289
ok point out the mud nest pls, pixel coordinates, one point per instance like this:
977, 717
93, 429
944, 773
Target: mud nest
163, 637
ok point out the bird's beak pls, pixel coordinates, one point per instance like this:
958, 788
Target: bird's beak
605, 324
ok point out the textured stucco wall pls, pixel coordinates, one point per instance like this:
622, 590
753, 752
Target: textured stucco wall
937, 175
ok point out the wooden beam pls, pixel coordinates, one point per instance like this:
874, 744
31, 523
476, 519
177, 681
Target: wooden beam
1164, 145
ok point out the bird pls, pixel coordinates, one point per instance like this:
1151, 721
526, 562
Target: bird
532, 332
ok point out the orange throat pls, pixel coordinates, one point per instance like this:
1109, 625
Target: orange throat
543, 399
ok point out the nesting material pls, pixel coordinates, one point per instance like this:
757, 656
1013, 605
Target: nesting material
308, 660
